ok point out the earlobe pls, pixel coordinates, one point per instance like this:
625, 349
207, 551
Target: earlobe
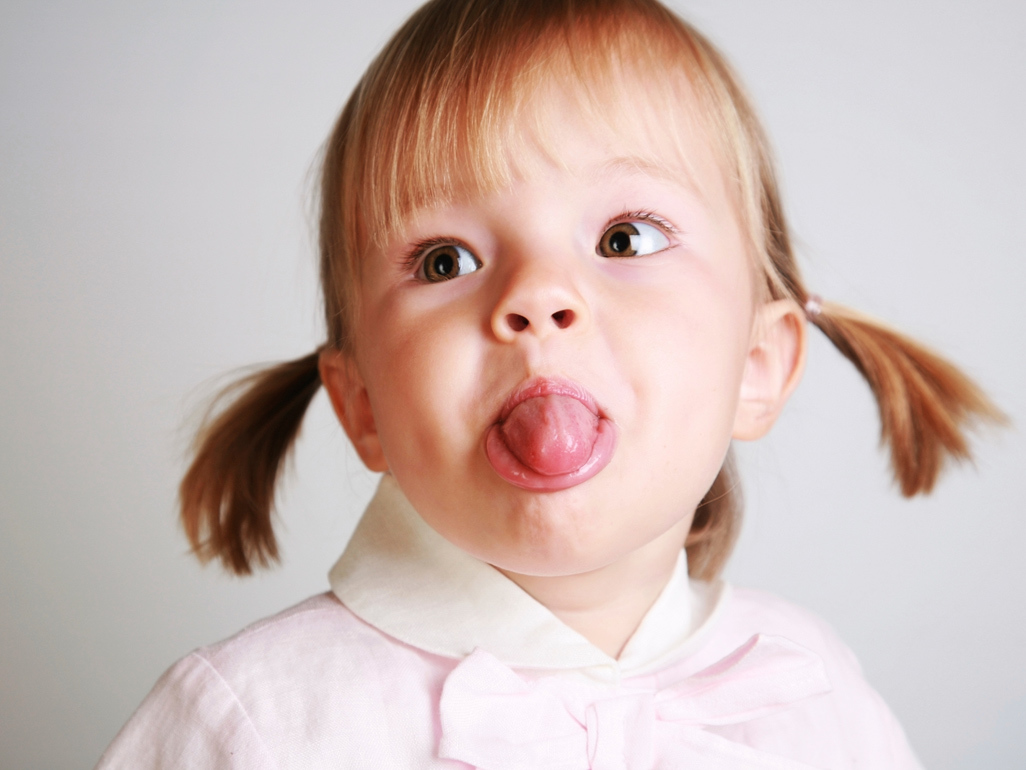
348, 395
773, 369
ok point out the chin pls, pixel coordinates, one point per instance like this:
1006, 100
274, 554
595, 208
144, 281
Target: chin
550, 548
547, 565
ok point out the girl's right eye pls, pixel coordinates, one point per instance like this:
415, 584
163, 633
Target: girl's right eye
445, 262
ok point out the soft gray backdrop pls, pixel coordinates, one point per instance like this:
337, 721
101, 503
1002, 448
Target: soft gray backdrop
154, 163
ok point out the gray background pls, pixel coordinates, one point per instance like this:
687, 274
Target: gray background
154, 233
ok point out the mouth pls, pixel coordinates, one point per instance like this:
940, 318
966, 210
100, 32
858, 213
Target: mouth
550, 435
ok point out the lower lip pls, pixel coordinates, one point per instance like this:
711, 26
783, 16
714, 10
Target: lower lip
509, 467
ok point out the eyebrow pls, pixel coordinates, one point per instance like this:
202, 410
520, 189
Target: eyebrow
636, 164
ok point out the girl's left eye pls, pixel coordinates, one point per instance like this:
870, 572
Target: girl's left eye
632, 239
445, 262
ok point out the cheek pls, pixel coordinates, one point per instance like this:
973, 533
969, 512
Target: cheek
418, 372
685, 356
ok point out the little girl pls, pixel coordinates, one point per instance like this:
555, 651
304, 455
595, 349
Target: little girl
558, 282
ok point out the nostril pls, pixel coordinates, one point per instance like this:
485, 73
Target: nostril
563, 318
517, 322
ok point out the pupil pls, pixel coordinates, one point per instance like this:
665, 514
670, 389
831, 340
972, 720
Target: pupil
444, 264
619, 242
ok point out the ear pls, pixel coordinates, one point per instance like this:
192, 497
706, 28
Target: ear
773, 369
348, 395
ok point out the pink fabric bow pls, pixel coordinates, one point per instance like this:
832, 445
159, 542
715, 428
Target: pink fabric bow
494, 720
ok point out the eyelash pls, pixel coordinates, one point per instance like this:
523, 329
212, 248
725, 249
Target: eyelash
643, 216
416, 252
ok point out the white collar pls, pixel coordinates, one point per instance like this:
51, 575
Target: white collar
402, 577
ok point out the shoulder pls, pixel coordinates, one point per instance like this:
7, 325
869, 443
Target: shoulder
315, 654
747, 611
851, 724
297, 638
305, 685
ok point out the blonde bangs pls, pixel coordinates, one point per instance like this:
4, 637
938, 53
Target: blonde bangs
448, 109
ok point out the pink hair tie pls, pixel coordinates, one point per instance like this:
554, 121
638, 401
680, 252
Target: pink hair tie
813, 306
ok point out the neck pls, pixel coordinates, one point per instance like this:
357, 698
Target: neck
606, 605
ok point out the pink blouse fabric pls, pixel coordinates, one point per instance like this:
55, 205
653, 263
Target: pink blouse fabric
423, 657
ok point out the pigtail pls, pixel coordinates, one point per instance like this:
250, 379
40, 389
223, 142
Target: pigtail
716, 525
227, 496
927, 406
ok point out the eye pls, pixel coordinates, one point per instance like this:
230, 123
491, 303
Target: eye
447, 261
632, 239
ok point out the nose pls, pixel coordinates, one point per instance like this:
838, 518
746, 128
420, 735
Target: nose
538, 300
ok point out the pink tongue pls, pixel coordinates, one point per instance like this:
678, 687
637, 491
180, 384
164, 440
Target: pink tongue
551, 435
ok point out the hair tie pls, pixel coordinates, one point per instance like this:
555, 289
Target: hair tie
813, 306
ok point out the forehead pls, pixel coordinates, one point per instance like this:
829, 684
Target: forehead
630, 125
625, 125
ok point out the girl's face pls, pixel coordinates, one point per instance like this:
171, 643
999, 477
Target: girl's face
471, 301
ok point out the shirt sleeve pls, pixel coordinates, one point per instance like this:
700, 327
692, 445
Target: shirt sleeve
191, 719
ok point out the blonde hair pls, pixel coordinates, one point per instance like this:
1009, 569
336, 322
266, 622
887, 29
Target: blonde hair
436, 116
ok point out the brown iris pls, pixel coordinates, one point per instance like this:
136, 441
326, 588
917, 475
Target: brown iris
442, 264
618, 241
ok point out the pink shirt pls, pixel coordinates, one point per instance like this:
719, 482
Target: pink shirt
423, 657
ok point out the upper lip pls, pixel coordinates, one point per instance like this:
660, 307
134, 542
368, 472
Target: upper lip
537, 387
